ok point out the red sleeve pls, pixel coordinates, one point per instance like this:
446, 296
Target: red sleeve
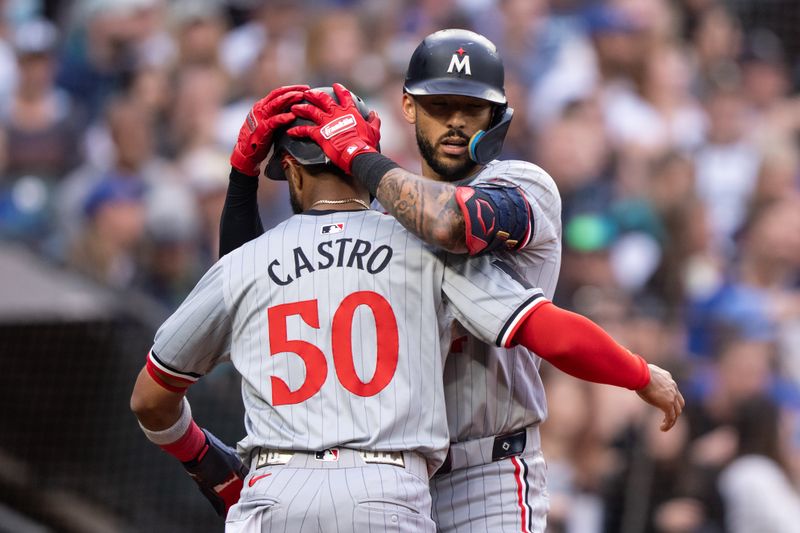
576, 345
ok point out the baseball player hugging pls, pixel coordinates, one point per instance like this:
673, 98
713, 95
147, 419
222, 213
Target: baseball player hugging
340, 320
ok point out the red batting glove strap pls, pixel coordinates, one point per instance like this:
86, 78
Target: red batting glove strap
255, 135
189, 446
576, 345
339, 129
230, 491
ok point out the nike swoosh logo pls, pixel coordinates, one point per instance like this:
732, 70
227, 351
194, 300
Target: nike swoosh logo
256, 478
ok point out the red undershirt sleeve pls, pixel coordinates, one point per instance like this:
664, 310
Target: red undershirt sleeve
576, 345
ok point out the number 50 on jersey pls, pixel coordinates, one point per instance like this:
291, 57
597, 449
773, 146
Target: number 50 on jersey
316, 364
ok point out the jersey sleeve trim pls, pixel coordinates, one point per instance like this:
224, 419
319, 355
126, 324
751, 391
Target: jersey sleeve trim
160, 380
508, 331
169, 378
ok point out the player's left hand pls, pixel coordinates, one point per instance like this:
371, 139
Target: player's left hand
218, 472
255, 135
662, 392
339, 128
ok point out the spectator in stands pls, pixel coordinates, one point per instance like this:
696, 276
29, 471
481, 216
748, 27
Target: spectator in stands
518, 143
576, 153
42, 123
671, 192
755, 485
766, 84
125, 152
759, 299
660, 114
199, 28
620, 43
206, 171
200, 93
41, 137
337, 51
107, 250
742, 370
779, 174
727, 161
277, 24
716, 42
171, 259
648, 491
103, 49
586, 262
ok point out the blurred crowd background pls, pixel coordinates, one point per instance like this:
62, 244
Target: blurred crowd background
670, 126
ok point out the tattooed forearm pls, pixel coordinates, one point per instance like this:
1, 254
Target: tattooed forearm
425, 207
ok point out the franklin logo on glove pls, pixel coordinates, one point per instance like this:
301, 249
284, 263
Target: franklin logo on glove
338, 125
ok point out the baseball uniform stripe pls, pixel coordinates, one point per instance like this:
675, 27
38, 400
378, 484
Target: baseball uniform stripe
187, 377
527, 492
517, 318
158, 378
521, 478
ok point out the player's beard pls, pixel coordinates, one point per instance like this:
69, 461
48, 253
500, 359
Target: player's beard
294, 199
449, 171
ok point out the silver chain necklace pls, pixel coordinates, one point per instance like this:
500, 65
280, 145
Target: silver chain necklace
340, 202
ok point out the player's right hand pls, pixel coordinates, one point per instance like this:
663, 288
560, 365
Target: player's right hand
218, 472
662, 392
339, 129
255, 135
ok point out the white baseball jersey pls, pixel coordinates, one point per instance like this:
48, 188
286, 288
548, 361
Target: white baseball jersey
490, 390
339, 323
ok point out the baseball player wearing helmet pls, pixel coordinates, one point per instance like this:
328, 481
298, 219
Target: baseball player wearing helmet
329, 318
504, 463
468, 201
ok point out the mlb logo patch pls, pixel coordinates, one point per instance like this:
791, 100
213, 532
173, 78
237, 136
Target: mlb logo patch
329, 455
329, 229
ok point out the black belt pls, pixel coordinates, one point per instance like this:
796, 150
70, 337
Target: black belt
504, 446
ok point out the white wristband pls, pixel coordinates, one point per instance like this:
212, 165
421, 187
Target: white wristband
175, 431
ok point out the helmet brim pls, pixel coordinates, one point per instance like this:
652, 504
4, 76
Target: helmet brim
456, 86
305, 151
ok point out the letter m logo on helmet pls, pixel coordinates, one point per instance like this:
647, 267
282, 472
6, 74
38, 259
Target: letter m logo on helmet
460, 63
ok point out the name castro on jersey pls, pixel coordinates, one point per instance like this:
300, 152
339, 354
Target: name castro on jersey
338, 253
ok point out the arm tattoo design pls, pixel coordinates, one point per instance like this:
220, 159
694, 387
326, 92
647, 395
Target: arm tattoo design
426, 208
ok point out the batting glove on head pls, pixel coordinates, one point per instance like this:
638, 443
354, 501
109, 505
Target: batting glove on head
339, 128
255, 136
218, 472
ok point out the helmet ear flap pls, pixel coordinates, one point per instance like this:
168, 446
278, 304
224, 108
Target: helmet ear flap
485, 146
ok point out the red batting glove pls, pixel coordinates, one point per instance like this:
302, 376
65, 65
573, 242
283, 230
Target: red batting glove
340, 130
255, 136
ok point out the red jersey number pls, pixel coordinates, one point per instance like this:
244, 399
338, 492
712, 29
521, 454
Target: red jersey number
313, 358
342, 343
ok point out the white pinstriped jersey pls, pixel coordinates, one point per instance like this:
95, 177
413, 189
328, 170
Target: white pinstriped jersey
339, 323
490, 390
